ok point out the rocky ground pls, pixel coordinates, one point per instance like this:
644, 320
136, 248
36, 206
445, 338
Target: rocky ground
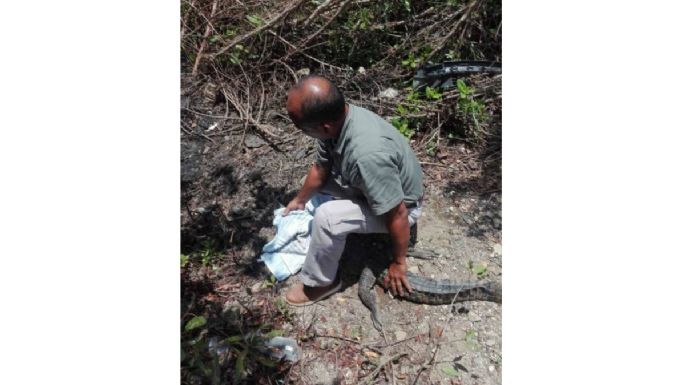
456, 344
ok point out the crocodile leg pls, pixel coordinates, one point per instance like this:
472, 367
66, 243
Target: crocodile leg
368, 296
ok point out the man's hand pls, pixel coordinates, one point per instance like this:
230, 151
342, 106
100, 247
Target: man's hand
398, 228
316, 177
397, 278
294, 204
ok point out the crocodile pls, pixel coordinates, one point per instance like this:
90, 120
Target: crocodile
427, 291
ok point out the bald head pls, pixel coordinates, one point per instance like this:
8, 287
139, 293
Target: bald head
315, 101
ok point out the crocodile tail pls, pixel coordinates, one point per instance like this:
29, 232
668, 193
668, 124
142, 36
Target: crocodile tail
496, 292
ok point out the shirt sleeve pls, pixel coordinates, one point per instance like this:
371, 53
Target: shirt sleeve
378, 177
322, 157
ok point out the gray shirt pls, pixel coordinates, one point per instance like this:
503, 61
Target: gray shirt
371, 159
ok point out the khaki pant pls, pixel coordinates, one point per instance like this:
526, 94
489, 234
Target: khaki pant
333, 221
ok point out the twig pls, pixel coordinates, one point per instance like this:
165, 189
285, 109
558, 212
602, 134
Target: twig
267, 25
312, 36
292, 72
316, 12
311, 323
315, 335
297, 50
401, 22
467, 11
367, 346
387, 345
245, 115
188, 131
375, 372
184, 20
436, 164
190, 305
210, 116
205, 37
437, 344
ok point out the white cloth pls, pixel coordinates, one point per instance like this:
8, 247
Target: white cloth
284, 255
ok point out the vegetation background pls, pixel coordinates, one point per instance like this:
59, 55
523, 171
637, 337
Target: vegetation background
240, 154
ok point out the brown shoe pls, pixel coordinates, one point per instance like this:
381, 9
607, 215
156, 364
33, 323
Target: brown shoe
302, 295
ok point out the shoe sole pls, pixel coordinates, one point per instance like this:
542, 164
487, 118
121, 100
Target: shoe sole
325, 295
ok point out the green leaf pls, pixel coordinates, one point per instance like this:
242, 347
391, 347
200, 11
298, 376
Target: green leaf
195, 323
274, 333
255, 20
234, 339
407, 5
463, 88
432, 93
481, 270
450, 371
240, 365
471, 340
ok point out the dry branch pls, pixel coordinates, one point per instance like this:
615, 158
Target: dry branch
312, 36
205, 37
245, 115
267, 25
297, 50
470, 8
316, 12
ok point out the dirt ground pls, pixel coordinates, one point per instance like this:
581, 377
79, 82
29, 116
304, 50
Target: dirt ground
465, 337
231, 183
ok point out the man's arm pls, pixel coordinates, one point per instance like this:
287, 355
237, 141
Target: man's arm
398, 228
316, 177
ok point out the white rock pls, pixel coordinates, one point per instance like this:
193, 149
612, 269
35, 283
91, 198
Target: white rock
361, 70
389, 93
491, 368
400, 335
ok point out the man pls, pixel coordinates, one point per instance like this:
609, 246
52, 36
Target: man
373, 175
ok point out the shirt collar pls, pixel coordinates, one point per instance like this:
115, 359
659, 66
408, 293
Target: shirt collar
342, 135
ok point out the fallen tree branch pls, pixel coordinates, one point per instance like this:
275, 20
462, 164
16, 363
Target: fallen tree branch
470, 8
380, 366
205, 37
267, 25
246, 116
312, 36
297, 50
316, 12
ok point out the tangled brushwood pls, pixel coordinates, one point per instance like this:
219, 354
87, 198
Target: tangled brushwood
238, 60
242, 56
